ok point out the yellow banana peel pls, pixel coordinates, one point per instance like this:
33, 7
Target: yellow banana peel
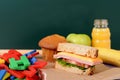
109, 56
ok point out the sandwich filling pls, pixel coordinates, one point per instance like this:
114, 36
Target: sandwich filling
73, 60
65, 62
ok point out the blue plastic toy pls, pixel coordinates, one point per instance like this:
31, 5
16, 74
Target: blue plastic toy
12, 77
33, 59
2, 73
31, 52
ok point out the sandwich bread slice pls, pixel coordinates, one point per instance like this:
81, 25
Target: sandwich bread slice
78, 49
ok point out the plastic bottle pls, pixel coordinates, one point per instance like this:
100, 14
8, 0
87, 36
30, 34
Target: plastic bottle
101, 34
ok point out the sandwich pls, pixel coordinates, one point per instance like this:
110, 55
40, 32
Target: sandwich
76, 58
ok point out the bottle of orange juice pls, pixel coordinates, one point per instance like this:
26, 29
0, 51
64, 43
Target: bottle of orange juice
101, 34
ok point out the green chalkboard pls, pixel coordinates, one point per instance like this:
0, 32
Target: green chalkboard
24, 22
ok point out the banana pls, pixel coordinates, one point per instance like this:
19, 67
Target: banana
109, 56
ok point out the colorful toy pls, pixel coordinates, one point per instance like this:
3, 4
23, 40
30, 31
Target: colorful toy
15, 66
16, 73
2, 73
12, 77
11, 54
31, 52
33, 60
19, 79
21, 64
2, 61
6, 76
30, 56
30, 72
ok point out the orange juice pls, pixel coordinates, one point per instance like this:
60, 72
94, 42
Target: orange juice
101, 34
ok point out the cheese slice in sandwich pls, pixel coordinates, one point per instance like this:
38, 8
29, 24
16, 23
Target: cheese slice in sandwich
78, 58
74, 58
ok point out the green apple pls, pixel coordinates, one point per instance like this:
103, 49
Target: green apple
82, 39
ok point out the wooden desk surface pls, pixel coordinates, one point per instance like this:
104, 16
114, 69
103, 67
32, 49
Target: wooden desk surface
103, 72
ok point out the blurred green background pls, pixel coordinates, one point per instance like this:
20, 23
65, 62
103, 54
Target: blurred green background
24, 22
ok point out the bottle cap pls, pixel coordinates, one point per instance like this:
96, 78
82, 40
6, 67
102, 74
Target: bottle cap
97, 22
104, 22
